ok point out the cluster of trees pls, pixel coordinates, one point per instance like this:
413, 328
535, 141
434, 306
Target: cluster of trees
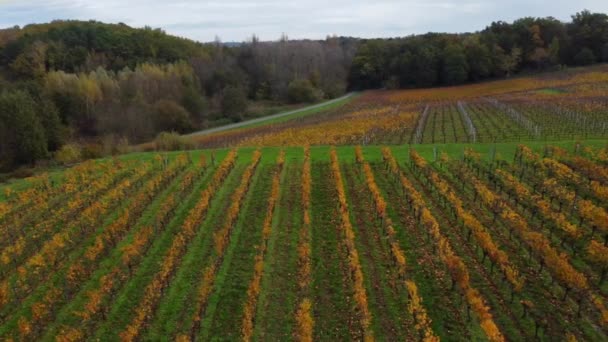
499, 50
79, 81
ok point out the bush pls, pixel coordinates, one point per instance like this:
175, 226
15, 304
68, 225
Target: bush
302, 90
22, 172
92, 151
170, 116
68, 154
172, 142
113, 145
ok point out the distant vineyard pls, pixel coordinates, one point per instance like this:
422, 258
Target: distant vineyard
315, 243
568, 105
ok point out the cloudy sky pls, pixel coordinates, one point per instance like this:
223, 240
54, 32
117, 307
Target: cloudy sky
235, 20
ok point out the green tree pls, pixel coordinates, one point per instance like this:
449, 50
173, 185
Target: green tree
32, 61
234, 103
585, 57
22, 135
195, 104
554, 52
302, 90
169, 116
479, 60
605, 53
455, 66
426, 73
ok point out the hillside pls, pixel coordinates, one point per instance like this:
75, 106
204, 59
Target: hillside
565, 105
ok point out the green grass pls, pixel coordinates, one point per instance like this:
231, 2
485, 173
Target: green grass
127, 300
332, 312
276, 305
301, 114
224, 313
551, 91
66, 316
386, 295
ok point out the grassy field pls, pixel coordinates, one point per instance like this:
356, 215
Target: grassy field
480, 242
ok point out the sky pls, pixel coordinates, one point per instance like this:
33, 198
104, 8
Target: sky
237, 20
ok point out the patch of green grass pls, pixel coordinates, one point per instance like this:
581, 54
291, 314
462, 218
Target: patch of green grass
224, 312
387, 296
551, 91
302, 114
276, 307
127, 300
66, 316
333, 311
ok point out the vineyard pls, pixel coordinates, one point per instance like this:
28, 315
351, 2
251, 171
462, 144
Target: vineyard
566, 105
318, 243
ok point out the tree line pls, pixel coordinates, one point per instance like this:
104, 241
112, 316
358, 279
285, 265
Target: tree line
97, 83
500, 50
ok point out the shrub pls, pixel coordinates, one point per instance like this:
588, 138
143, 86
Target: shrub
170, 116
302, 90
68, 154
114, 145
92, 151
172, 142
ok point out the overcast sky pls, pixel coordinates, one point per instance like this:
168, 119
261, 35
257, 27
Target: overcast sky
236, 20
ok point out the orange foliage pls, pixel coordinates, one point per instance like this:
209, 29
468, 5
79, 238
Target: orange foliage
415, 306
304, 320
177, 249
349, 241
253, 290
222, 239
454, 263
479, 232
558, 263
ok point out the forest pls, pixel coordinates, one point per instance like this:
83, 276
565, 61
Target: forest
106, 86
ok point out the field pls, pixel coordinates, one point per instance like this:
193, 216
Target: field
566, 105
315, 243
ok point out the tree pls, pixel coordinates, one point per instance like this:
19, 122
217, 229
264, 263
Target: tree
510, 62
585, 57
195, 104
605, 53
479, 59
426, 73
22, 136
302, 90
455, 66
588, 30
234, 103
554, 52
169, 116
32, 61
